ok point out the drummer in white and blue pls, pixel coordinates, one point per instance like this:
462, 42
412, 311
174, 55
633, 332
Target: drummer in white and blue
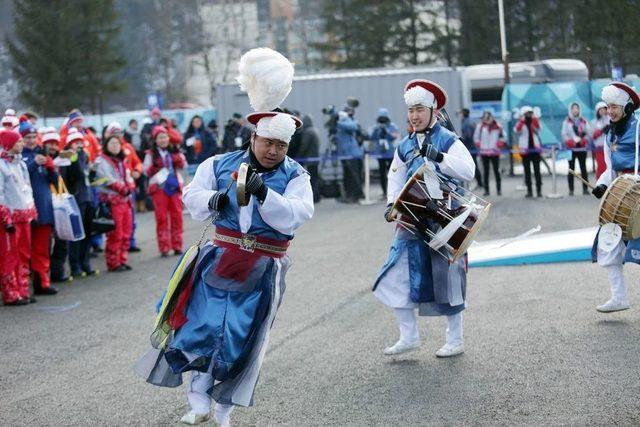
414, 276
620, 158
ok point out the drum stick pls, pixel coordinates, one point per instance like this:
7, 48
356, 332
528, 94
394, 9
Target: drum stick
585, 182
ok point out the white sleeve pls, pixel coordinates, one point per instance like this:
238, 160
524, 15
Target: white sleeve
147, 163
395, 178
289, 211
476, 134
567, 131
197, 193
607, 176
458, 163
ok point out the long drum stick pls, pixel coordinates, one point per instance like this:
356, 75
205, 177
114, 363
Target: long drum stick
585, 182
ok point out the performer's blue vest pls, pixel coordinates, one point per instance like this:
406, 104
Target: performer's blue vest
623, 148
442, 138
276, 180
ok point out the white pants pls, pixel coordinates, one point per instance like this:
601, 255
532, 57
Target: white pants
200, 401
617, 283
409, 327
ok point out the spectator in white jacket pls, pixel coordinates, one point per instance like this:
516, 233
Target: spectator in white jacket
575, 130
489, 138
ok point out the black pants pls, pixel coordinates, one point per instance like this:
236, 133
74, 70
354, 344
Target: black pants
58, 260
352, 171
494, 161
478, 174
312, 168
383, 166
527, 160
581, 156
79, 252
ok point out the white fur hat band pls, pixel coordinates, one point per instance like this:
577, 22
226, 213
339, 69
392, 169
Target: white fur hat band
618, 93
280, 126
418, 95
615, 96
424, 92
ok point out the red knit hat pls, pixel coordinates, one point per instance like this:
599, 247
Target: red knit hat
157, 130
9, 138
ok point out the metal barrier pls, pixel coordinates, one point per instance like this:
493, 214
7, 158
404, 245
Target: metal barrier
368, 157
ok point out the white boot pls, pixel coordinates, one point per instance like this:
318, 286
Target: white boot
409, 337
455, 342
619, 299
402, 347
199, 400
193, 418
221, 414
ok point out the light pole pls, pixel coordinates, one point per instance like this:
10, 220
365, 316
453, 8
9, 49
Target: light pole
503, 42
505, 63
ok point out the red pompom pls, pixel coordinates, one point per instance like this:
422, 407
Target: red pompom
234, 176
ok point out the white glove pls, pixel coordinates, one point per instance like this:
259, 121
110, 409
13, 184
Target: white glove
342, 115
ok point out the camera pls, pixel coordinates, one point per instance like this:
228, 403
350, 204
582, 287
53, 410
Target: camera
329, 110
383, 120
352, 102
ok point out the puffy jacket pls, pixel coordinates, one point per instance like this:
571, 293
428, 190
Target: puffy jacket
522, 131
488, 138
346, 138
41, 176
574, 133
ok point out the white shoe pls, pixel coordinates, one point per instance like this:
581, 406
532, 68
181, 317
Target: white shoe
193, 418
611, 306
402, 347
449, 350
222, 421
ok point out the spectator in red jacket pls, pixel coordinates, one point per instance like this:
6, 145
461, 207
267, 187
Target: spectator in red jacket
115, 185
162, 164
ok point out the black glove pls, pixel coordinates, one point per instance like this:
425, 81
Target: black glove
431, 152
606, 128
599, 191
218, 201
10, 228
255, 185
388, 213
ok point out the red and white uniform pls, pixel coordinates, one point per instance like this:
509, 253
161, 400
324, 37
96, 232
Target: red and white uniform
168, 207
115, 189
17, 208
488, 138
574, 133
522, 130
598, 137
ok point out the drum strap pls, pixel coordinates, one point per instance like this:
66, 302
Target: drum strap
637, 145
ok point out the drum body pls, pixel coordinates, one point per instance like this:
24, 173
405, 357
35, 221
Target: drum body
621, 205
451, 222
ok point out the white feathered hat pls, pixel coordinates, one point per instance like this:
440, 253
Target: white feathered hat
266, 76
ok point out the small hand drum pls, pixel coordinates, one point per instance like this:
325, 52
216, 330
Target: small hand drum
460, 214
241, 185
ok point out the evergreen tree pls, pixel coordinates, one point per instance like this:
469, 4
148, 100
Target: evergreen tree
64, 54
